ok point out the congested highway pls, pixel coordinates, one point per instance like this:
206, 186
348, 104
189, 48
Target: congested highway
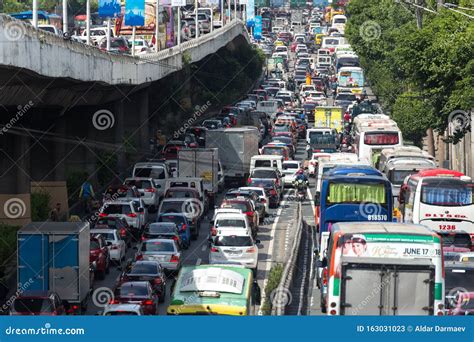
301, 197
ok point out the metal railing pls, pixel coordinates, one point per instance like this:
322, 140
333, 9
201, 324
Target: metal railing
289, 270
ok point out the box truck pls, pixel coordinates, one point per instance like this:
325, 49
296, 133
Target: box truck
54, 257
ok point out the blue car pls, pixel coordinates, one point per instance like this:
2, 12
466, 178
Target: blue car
183, 224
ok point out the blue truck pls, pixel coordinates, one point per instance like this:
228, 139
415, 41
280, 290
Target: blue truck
54, 257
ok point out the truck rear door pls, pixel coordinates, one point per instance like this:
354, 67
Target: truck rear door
32, 258
64, 265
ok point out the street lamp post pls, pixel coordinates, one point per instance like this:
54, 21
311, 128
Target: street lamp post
88, 22
35, 13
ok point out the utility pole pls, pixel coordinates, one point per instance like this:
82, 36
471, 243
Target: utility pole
440, 4
419, 14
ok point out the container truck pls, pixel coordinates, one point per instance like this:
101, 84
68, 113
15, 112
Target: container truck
202, 163
54, 257
236, 147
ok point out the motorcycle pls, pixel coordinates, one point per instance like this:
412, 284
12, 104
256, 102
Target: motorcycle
301, 186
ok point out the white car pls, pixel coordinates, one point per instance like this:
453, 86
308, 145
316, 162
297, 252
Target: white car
115, 244
97, 34
141, 46
290, 167
261, 194
126, 209
313, 162
146, 187
232, 221
123, 309
234, 246
51, 29
300, 47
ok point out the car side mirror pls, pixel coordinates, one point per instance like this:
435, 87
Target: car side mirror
108, 243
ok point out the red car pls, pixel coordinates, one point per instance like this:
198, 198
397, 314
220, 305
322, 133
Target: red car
138, 292
99, 253
38, 303
247, 208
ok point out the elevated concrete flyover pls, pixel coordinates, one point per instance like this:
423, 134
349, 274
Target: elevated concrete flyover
52, 90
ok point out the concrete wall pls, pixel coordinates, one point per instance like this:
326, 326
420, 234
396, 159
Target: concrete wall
22, 46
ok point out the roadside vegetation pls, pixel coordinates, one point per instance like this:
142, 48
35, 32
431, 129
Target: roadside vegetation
420, 75
274, 278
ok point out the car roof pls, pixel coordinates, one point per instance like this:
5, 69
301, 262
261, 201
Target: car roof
102, 230
122, 307
233, 232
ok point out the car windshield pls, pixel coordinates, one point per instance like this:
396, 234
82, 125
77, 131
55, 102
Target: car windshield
233, 241
140, 184
281, 128
108, 236
122, 209
459, 278
157, 246
236, 205
290, 166
132, 290
144, 268
172, 218
456, 240
32, 305
449, 192
231, 223
345, 97
276, 151
172, 193
107, 222
161, 229
264, 174
172, 207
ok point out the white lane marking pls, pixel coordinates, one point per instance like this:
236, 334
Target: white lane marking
198, 262
268, 261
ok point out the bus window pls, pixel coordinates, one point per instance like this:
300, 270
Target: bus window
356, 193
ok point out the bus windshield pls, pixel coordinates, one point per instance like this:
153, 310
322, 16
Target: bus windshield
320, 138
398, 176
356, 193
449, 192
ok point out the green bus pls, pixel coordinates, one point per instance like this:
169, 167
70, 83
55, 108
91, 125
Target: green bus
214, 290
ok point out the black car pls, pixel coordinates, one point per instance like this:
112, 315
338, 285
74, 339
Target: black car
146, 270
344, 100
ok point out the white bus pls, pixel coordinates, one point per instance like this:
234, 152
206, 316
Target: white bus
373, 135
439, 199
383, 269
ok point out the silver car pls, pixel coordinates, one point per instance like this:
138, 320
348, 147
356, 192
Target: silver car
234, 247
165, 251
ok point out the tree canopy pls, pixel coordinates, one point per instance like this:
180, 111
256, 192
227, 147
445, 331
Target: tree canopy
420, 75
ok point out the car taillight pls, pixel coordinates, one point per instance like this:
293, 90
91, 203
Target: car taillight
150, 190
132, 215
249, 213
102, 215
183, 228
273, 192
113, 301
174, 258
249, 180
251, 250
123, 232
157, 281
148, 302
325, 276
175, 238
214, 249
139, 257
114, 247
213, 231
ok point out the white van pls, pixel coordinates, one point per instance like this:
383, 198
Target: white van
158, 171
266, 161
